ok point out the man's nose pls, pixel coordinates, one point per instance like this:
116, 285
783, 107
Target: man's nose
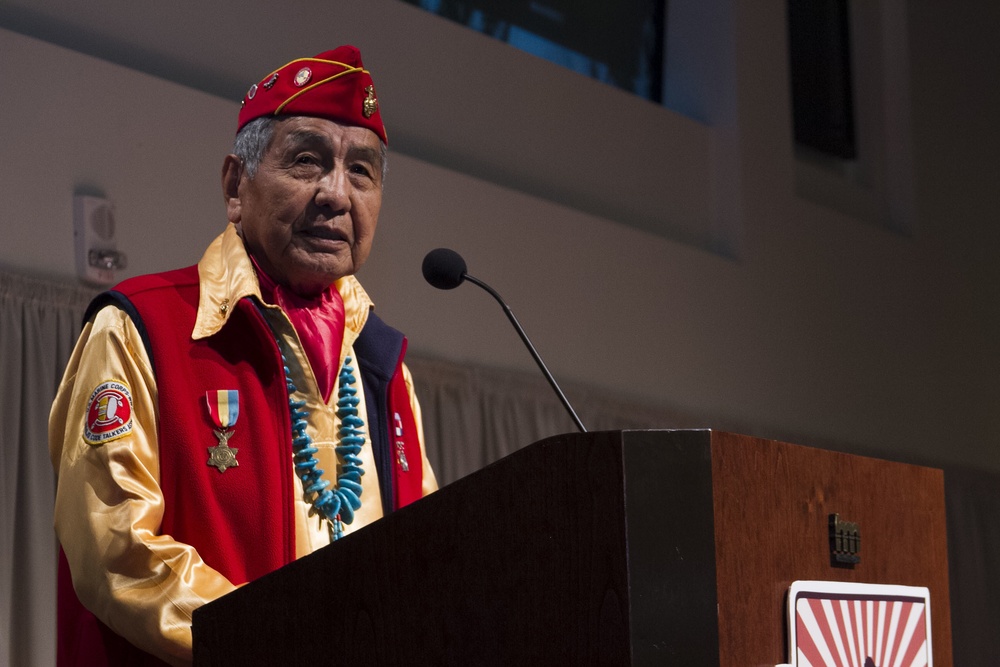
335, 190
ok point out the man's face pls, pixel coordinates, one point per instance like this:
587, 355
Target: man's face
309, 215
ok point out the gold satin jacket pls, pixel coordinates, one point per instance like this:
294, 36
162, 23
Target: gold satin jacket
108, 508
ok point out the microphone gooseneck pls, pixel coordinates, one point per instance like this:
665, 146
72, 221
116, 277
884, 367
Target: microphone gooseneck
444, 268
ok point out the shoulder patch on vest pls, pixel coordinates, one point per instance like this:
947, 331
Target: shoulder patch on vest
109, 413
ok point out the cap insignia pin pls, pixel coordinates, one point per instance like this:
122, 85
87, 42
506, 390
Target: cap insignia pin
252, 91
270, 81
302, 77
370, 104
400, 443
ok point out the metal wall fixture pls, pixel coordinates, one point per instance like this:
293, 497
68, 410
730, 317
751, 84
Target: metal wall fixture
97, 254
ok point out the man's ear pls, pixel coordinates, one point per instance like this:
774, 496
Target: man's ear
232, 174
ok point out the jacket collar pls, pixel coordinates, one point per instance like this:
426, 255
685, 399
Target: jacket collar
226, 275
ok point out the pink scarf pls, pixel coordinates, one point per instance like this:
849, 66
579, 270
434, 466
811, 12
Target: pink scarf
319, 322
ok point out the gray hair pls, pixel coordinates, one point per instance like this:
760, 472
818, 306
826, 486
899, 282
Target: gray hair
253, 139
251, 142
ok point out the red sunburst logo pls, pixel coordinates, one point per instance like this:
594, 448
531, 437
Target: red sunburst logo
860, 630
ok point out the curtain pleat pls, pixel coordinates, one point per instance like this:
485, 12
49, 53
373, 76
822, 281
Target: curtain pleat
39, 322
972, 499
474, 416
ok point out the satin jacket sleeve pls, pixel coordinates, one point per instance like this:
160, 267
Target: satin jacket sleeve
109, 505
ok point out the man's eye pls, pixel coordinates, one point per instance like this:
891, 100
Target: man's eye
360, 169
306, 159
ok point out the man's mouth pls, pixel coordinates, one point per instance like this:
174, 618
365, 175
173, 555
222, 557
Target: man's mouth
324, 234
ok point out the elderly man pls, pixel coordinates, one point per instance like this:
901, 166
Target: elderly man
219, 421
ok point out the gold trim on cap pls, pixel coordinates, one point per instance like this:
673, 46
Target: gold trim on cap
305, 90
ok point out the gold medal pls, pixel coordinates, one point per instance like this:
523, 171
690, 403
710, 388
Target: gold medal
223, 409
223, 456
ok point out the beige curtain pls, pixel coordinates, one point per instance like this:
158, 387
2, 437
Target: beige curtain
39, 322
472, 417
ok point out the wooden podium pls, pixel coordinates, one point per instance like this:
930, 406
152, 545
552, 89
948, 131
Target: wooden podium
611, 548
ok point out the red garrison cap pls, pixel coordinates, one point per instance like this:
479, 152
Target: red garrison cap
333, 85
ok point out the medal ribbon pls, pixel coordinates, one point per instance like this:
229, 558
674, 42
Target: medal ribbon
223, 407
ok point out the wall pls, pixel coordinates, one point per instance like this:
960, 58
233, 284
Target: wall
662, 258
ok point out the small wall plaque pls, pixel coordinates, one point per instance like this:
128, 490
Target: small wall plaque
845, 542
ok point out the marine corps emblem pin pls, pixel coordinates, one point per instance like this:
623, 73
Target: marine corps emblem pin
370, 104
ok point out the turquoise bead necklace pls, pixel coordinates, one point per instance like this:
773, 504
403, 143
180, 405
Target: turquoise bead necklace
336, 506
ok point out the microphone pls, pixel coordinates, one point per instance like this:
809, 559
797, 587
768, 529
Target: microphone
444, 268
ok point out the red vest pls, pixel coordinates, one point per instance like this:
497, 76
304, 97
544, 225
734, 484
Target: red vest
241, 521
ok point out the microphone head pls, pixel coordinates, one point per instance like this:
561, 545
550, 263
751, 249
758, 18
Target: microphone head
444, 268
